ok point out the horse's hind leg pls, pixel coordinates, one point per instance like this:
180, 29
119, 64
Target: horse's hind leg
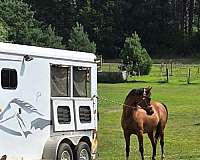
140, 139
162, 145
127, 139
153, 143
160, 134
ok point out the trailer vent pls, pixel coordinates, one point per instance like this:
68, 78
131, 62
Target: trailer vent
63, 113
85, 114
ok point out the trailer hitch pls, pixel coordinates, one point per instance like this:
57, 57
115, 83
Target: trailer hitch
3, 157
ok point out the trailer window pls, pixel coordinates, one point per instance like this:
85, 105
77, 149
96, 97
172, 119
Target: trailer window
63, 113
81, 82
85, 114
8, 78
60, 81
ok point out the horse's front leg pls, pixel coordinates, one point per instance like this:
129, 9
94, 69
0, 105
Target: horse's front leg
127, 139
140, 140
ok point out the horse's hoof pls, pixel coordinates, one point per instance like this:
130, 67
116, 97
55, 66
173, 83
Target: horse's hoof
153, 158
162, 157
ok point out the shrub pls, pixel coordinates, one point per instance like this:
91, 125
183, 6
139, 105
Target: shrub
135, 57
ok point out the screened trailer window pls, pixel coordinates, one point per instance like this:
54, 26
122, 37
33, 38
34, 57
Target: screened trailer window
81, 82
8, 78
60, 81
63, 113
85, 114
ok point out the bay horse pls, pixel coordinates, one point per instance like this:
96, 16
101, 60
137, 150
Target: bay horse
141, 115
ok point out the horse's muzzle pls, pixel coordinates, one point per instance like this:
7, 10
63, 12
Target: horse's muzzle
149, 110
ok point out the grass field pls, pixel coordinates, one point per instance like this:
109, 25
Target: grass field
182, 134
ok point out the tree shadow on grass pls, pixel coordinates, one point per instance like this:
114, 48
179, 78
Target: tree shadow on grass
194, 156
140, 81
197, 124
136, 81
192, 83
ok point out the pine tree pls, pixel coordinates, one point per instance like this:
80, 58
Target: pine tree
23, 28
79, 40
3, 32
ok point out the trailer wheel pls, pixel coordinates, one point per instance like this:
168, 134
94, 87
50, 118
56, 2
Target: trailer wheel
82, 151
64, 152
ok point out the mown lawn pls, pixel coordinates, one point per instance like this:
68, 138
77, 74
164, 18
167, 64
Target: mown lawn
182, 134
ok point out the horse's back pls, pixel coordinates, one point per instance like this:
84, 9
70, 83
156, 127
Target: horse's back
161, 110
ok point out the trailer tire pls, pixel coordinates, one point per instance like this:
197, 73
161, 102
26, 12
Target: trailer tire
65, 152
82, 151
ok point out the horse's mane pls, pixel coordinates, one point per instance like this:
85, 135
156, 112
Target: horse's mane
136, 92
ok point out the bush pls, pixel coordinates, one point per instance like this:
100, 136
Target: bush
79, 40
135, 57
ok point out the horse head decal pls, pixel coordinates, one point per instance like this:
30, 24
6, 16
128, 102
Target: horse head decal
13, 111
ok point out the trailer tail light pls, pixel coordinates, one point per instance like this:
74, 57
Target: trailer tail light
94, 144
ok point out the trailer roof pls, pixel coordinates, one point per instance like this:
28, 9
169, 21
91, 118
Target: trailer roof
16, 49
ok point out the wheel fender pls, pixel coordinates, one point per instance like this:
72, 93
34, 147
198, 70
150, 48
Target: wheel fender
52, 145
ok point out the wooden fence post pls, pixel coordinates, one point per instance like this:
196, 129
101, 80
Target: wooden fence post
167, 74
188, 78
171, 64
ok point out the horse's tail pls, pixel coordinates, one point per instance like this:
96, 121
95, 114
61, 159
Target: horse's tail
166, 109
158, 129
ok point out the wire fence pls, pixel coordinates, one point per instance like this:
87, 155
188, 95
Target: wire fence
186, 73
173, 151
165, 72
118, 150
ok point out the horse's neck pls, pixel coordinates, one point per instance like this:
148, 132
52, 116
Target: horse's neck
129, 107
130, 102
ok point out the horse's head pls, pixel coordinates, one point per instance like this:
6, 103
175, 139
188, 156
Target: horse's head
143, 99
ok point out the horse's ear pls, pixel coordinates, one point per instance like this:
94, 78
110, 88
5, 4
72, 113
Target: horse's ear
149, 88
148, 91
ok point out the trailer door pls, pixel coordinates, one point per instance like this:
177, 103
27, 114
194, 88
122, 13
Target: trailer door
63, 115
62, 104
83, 103
84, 114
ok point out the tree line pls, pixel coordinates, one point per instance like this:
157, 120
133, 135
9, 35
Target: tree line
169, 28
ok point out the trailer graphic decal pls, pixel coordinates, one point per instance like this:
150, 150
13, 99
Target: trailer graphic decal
13, 111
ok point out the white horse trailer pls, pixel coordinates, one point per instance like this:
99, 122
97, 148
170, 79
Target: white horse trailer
48, 103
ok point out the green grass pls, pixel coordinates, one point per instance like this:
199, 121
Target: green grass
182, 134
